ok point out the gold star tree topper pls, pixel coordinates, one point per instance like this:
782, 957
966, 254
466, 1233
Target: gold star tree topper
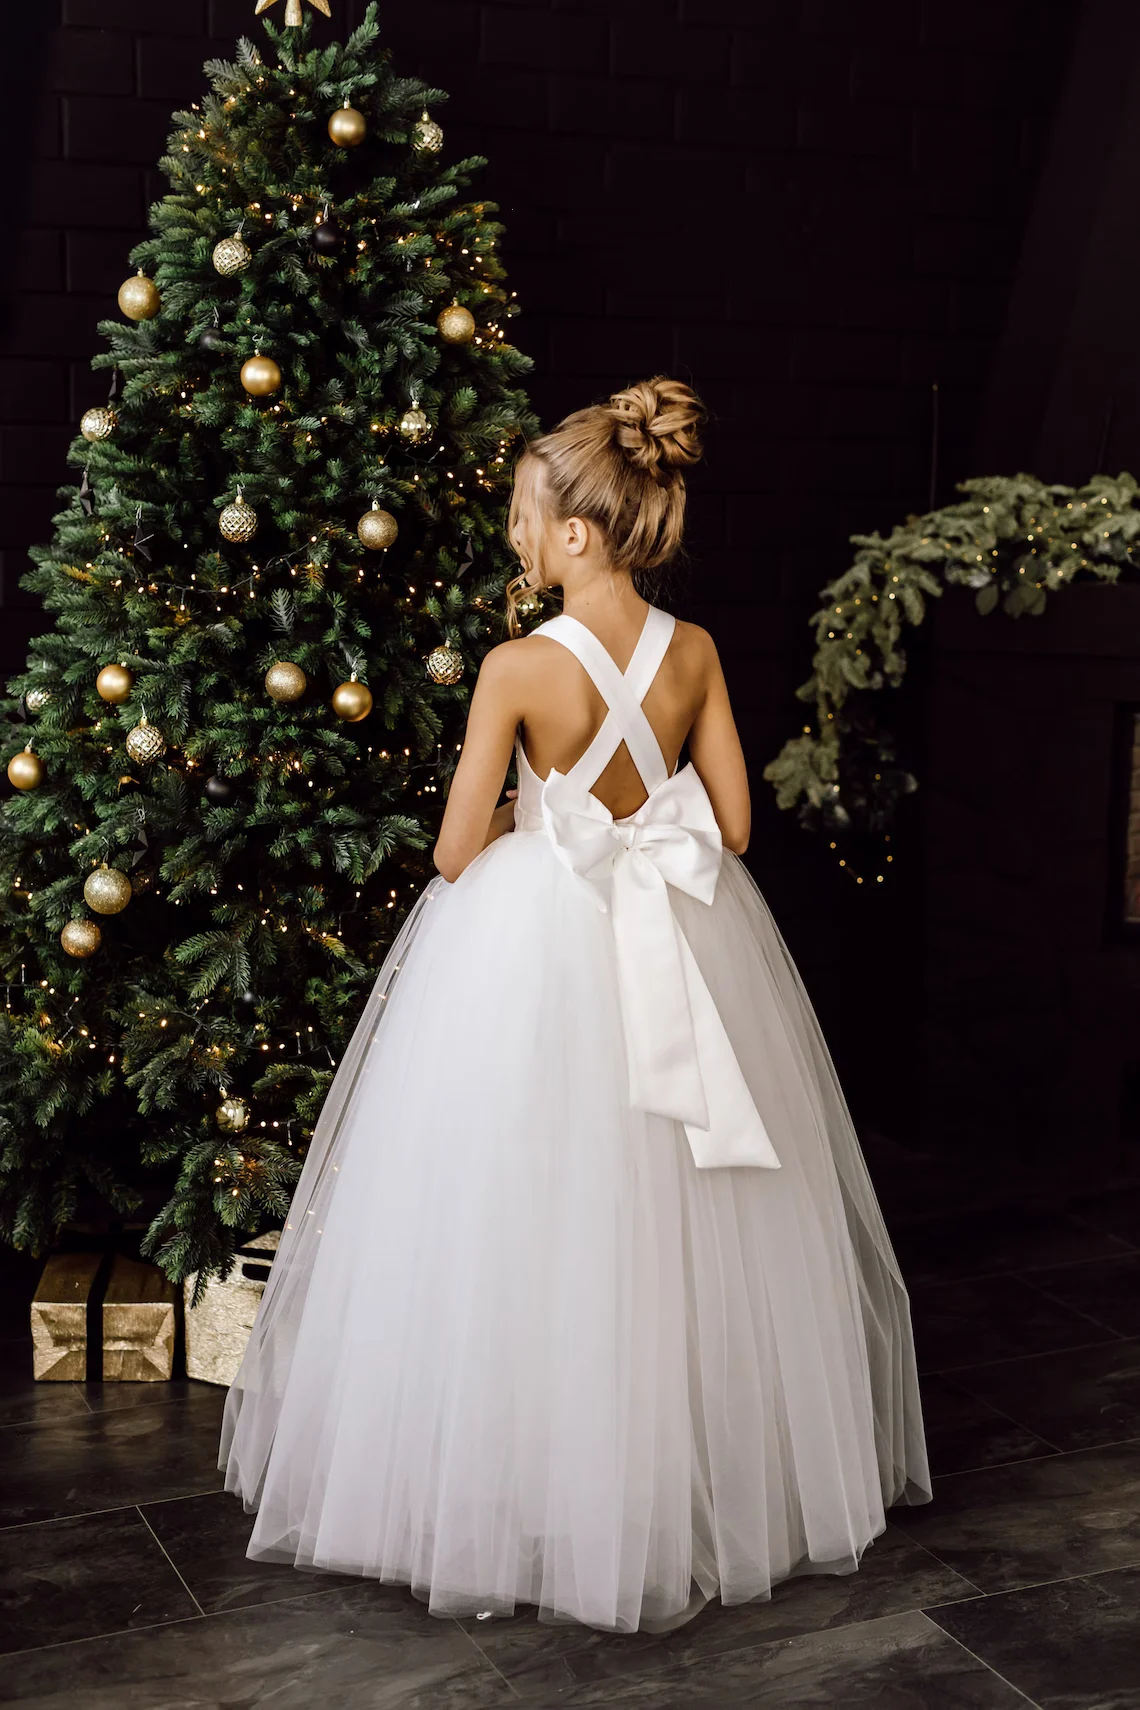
292, 9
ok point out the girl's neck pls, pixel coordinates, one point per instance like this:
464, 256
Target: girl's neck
603, 599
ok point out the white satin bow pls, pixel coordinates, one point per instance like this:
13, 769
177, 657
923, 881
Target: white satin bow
681, 1063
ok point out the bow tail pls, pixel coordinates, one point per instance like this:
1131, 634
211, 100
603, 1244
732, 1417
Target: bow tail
735, 1133
681, 1062
664, 1070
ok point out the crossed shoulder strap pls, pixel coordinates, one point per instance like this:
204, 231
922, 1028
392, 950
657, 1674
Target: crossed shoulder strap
625, 719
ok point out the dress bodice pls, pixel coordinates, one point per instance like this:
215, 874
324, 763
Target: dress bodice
625, 720
681, 1063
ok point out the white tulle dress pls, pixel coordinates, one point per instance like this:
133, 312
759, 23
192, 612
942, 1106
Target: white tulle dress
585, 1299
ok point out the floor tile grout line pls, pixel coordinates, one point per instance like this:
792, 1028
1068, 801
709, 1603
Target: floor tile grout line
935, 1557
473, 1641
1002, 1414
1016, 1359
42, 1424
1034, 1460
996, 1672
753, 1643
1040, 1584
177, 1621
1082, 1218
1090, 1318
169, 1558
94, 1413
934, 1279
115, 1508
97, 1638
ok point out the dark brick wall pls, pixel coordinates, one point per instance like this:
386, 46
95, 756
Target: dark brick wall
813, 209
1031, 1000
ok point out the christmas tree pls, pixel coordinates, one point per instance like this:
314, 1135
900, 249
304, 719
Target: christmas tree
270, 590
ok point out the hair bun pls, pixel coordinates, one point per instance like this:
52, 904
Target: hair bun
657, 425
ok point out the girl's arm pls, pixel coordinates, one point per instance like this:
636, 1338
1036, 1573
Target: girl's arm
471, 820
714, 748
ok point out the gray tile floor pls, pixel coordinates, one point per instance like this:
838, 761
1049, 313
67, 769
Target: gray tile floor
124, 1583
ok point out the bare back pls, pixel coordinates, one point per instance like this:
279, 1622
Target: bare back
536, 686
564, 711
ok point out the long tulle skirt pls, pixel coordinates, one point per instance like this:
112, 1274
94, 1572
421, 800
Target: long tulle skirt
516, 1347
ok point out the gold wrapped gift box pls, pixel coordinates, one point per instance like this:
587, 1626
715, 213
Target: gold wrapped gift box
218, 1328
59, 1316
95, 1316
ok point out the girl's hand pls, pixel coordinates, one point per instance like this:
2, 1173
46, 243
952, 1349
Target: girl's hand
503, 818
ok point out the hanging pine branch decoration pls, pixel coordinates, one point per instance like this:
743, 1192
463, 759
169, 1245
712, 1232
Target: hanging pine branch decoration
286, 830
1014, 540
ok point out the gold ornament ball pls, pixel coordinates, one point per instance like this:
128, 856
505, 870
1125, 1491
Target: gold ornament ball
414, 425
139, 298
445, 664
107, 890
114, 683
81, 938
238, 522
377, 529
456, 324
231, 256
37, 699
352, 701
347, 127
260, 376
26, 770
232, 1115
99, 423
285, 681
427, 136
145, 743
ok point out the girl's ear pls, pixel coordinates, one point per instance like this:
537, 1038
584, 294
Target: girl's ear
577, 536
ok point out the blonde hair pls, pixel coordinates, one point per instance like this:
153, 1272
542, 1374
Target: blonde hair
620, 465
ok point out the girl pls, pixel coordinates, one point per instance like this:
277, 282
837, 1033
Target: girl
585, 1299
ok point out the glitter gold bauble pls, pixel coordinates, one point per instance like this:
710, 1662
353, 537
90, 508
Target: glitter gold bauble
107, 890
238, 522
414, 425
377, 529
232, 1115
26, 770
260, 375
285, 681
445, 663
81, 938
98, 423
145, 743
231, 256
456, 324
139, 298
347, 127
427, 136
37, 699
352, 701
114, 683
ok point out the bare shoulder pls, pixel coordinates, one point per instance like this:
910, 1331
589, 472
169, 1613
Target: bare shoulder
696, 649
512, 667
692, 636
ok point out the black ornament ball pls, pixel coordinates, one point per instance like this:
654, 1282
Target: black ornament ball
328, 236
211, 340
221, 792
